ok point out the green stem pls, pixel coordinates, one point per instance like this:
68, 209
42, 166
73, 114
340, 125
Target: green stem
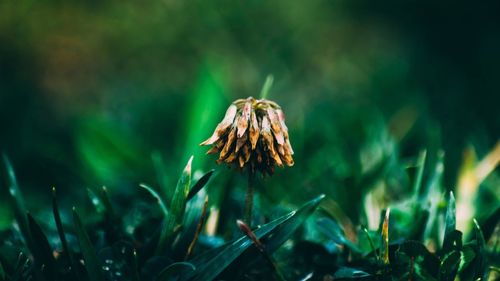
249, 198
267, 86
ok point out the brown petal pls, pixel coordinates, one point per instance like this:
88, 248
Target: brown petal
267, 135
229, 143
281, 118
241, 161
254, 129
277, 159
213, 150
222, 127
231, 157
244, 118
241, 141
246, 153
275, 125
288, 146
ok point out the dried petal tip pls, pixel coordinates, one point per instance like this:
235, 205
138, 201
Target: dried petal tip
252, 134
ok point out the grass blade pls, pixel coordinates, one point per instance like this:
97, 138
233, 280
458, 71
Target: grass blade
157, 197
175, 269
16, 200
199, 184
272, 235
417, 184
385, 237
42, 250
92, 263
177, 207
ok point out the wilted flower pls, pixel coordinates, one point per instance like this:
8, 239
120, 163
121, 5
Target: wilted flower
252, 134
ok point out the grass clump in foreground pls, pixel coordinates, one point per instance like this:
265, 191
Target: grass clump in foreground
416, 240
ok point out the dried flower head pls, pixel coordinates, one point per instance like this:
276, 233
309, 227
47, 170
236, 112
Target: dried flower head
252, 134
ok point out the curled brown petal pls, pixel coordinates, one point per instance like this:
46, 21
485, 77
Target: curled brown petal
275, 125
244, 118
229, 143
254, 129
222, 127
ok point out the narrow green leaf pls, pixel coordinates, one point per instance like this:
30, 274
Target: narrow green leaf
435, 180
135, 267
421, 254
92, 263
110, 212
272, 235
16, 200
175, 269
333, 231
480, 257
157, 197
42, 250
267, 86
372, 245
161, 175
2, 273
450, 220
178, 203
96, 201
385, 237
199, 184
346, 273
60, 229
417, 184
449, 266
488, 226
177, 207
450, 232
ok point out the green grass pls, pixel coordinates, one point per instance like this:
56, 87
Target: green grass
418, 240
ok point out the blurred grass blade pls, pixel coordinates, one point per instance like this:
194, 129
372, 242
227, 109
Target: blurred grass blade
346, 273
135, 267
157, 197
449, 266
417, 184
16, 200
450, 220
2, 272
272, 235
333, 231
161, 175
250, 234
175, 269
42, 251
450, 224
267, 86
92, 263
199, 184
96, 201
372, 245
110, 212
385, 236
178, 203
480, 256
488, 226
60, 229
177, 207
434, 182
198, 229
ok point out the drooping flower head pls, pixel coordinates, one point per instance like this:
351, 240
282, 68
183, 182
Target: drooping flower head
252, 134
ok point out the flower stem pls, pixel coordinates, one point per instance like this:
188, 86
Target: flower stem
249, 198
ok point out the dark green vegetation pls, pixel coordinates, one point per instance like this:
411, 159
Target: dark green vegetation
121, 93
415, 240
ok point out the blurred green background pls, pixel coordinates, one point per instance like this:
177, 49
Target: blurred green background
101, 92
